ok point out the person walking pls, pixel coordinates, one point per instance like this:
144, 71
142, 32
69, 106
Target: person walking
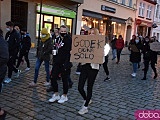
24, 49
89, 72
13, 39
44, 51
149, 56
113, 45
119, 47
62, 65
135, 47
4, 57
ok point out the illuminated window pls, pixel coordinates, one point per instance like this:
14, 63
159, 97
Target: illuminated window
48, 18
57, 22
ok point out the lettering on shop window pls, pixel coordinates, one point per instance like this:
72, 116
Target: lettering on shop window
88, 48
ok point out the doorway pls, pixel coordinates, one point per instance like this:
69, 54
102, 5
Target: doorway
128, 33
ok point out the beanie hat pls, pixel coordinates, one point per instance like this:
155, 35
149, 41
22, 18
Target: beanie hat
44, 31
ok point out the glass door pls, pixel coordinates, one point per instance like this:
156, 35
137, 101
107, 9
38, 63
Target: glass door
48, 26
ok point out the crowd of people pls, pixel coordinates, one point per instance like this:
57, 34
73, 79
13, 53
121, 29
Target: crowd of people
56, 47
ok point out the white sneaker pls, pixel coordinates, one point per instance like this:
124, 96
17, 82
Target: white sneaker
18, 73
78, 73
54, 98
83, 110
63, 99
85, 102
27, 69
133, 74
46, 83
7, 80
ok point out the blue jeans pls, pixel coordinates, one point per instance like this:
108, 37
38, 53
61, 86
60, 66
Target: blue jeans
135, 66
114, 53
37, 66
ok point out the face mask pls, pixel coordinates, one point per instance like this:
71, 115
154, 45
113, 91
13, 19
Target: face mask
137, 41
147, 40
43, 36
62, 34
8, 29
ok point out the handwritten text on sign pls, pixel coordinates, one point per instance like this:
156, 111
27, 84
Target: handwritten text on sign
155, 46
88, 48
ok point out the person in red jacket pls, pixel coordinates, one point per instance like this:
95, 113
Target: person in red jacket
119, 47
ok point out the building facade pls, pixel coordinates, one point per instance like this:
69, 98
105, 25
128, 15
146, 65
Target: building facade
144, 17
26, 13
111, 17
156, 31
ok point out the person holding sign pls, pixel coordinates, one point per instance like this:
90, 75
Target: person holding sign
135, 57
149, 56
89, 72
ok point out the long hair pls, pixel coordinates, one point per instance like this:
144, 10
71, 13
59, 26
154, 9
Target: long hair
96, 31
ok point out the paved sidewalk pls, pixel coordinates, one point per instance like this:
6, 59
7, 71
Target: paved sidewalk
116, 99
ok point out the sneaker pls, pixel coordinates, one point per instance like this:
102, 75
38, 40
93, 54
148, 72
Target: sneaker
27, 69
46, 83
32, 84
54, 98
18, 73
63, 99
88, 103
78, 73
7, 80
133, 74
155, 76
107, 79
50, 89
83, 110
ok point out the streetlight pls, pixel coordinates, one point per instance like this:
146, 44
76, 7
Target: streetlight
39, 26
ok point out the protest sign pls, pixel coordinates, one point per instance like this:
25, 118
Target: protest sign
155, 46
88, 48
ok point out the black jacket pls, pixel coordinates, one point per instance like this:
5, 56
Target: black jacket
113, 43
135, 57
45, 49
63, 56
25, 43
13, 40
4, 56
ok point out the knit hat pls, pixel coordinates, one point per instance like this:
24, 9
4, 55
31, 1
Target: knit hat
44, 31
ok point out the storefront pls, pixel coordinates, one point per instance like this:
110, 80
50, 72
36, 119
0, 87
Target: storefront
53, 17
143, 28
107, 25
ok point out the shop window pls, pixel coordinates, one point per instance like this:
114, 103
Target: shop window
63, 21
123, 2
69, 24
37, 23
130, 3
48, 18
57, 22
157, 36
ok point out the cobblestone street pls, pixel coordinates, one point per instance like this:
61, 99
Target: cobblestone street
116, 99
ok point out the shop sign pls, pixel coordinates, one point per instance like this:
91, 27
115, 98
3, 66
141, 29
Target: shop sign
56, 11
138, 21
108, 9
88, 48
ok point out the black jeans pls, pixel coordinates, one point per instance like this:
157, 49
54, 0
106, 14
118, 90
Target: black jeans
146, 66
88, 74
11, 67
3, 70
56, 70
21, 54
118, 54
105, 66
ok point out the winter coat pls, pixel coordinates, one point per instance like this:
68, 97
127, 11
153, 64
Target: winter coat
113, 43
25, 43
13, 40
135, 57
4, 57
45, 49
119, 44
